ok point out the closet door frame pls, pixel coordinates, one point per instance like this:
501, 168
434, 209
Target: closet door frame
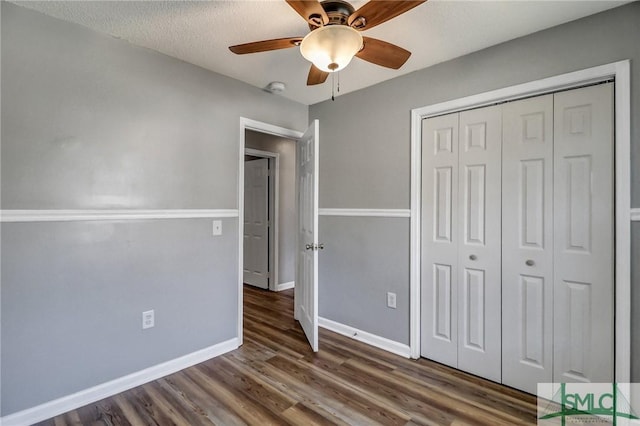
620, 73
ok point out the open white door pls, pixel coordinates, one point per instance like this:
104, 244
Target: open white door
256, 223
306, 289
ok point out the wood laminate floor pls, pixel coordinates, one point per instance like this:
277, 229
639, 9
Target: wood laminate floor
274, 378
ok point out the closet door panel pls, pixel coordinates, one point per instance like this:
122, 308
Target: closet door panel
439, 337
583, 235
527, 243
479, 282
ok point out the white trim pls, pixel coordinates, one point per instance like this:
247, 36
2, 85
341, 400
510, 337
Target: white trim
366, 212
260, 153
257, 126
533, 88
113, 387
365, 337
635, 215
285, 286
622, 147
414, 234
621, 72
261, 127
274, 203
74, 215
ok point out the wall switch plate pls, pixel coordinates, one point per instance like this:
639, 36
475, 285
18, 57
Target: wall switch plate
391, 300
148, 319
217, 227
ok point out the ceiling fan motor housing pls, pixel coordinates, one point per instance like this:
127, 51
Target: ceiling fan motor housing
338, 12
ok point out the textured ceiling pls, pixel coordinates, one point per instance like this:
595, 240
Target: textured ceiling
200, 32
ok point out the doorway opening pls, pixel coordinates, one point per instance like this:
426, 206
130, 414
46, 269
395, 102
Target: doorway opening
270, 216
305, 294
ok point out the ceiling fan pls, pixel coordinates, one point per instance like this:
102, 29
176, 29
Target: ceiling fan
335, 35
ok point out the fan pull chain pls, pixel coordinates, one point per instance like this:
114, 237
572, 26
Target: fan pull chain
334, 85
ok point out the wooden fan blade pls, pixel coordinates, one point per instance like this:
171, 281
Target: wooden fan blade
382, 53
316, 76
375, 12
266, 45
311, 11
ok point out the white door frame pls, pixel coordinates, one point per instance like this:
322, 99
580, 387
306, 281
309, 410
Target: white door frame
257, 126
274, 200
620, 71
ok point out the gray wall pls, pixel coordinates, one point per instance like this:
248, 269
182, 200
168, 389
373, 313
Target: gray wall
91, 122
73, 294
375, 141
287, 194
364, 250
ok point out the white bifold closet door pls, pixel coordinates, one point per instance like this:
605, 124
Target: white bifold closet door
479, 213
518, 239
461, 299
583, 235
439, 288
527, 244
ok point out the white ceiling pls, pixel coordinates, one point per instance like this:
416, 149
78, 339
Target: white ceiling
200, 32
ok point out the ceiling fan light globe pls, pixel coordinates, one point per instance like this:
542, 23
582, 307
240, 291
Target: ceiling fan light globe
331, 48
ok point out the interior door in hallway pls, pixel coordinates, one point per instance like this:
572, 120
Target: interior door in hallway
256, 223
306, 289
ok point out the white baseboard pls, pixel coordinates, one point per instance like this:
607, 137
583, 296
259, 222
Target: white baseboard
285, 286
365, 337
113, 387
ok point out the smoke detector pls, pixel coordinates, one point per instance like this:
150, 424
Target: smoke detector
275, 87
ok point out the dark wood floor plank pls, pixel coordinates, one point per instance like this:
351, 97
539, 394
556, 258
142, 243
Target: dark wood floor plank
247, 409
259, 391
179, 409
312, 397
146, 407
109, 413
213, 409
421, 409
374, 409
127, 409
275, 379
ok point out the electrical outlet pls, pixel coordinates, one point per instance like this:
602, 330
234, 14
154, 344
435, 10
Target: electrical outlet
148, 319
217, 227
391, 300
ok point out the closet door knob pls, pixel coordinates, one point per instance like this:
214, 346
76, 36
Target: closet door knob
473, 257
530, 262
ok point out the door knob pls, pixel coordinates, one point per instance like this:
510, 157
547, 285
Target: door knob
314, 246
473, 257
530, 262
